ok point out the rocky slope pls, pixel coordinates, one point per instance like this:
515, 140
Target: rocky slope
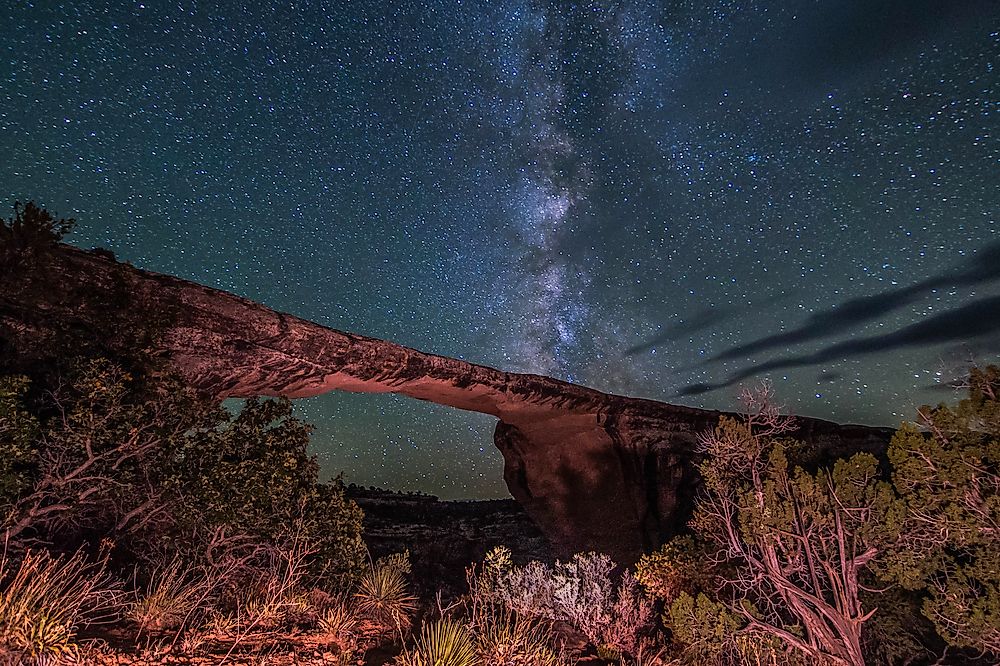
594, 471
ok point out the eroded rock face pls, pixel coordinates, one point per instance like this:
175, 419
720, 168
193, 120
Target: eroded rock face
594, 471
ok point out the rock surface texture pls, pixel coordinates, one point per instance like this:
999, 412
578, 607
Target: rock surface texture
594, 471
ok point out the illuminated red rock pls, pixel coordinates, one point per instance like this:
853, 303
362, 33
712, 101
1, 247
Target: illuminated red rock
594, 471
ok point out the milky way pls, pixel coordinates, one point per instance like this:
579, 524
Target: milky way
658, 199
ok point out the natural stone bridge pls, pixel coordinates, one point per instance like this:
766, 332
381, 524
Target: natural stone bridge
594, 471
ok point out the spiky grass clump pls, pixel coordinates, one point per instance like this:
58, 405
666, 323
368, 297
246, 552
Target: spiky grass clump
173, 595
338, 619
441, 643
511, 641
383, 593
47, 599
339, 622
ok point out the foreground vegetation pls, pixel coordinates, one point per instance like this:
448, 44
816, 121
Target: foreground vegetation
144, 522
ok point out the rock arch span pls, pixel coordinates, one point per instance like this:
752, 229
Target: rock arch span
595, 471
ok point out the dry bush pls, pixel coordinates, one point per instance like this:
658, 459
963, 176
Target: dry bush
583, 593
46, 599
339, 619
503, 636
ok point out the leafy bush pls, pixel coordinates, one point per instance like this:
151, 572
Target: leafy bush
946, 472
169, 474
680, 565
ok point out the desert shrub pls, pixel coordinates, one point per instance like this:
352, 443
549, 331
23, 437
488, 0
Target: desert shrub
504, 636
383, 593
441, 643
18, 441
946, 472
791, 547
340, 624
680, 565
704, 628
275, 596
45, 599
509, 640
582, 592
339, 619
253, 482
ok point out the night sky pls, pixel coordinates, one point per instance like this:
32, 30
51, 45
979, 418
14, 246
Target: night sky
656, 199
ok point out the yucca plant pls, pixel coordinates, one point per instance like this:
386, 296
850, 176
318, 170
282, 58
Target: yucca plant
441, 643
47, 599
383, 593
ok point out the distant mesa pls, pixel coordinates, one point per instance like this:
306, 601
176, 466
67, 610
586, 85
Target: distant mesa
594, 471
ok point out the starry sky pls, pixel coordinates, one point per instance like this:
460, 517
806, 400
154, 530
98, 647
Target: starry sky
660, 199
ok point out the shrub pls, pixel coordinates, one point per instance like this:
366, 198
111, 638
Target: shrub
946, 471
680, 565
18, 441
169, 474
508, 640
504, 636
792, 547
583, 593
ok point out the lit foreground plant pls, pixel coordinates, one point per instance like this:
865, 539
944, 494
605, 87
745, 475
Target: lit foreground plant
174, 593
383, 593
442, 643
791, 547
582, 592
946, 472
46, 599
503, 636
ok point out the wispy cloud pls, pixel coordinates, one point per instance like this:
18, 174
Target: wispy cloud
978, 319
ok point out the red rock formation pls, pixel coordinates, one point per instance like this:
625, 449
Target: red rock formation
594, 471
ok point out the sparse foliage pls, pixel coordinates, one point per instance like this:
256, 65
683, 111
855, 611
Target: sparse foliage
583, 592
504, 636
174, 592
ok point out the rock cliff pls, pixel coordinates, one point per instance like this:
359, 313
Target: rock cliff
594, 471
